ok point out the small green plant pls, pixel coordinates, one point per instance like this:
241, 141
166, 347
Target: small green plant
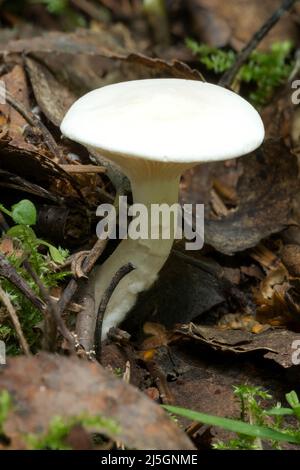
118, 372
5, 407
57, 7
28, 246
59, 429
24, 215
69, 16
264, 70
256, 424
62, 8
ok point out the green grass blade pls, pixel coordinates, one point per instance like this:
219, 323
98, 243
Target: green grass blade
233, 425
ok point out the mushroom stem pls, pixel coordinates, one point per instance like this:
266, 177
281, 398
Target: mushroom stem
146, 255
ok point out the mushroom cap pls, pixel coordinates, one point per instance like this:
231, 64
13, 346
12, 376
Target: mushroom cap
167, 120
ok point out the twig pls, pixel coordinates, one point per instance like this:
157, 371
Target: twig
77, 169
10, 180
87, 266
228, 77
52, 307
32, 121
126, 377
161, 382
122, 272
3, 224
15, 321
10, 273
86, 318
95, 12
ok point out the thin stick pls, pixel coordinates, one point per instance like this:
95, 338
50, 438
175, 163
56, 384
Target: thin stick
86, 318
52, 307
15, 321
32, 121
3, 224
228, 77
95, 12
161, 382
87, 266
122, 272
78, 169
9, 272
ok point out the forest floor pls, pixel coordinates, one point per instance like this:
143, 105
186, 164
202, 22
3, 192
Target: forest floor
223, 317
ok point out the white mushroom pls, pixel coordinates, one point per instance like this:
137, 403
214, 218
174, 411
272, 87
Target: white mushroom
154, 130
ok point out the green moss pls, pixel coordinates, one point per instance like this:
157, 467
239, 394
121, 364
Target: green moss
28, 246
264, 71
59, 429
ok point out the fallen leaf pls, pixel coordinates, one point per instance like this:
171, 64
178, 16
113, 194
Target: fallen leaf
66, 65
290, 256
234, 22
203, 380
16, 84
45, 386
52, 97
275, 344
267, 185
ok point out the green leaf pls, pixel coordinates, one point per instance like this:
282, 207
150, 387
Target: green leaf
279, 412
56, 255
21, 231
292, 399
24, 213
233, 425
5, 406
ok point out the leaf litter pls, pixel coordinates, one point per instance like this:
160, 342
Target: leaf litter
236, 303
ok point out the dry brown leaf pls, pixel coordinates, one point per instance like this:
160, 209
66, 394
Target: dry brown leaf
62, 66
233, 22
266, 188
45, 386
16, 84
273, 344
290, 256
52, 97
